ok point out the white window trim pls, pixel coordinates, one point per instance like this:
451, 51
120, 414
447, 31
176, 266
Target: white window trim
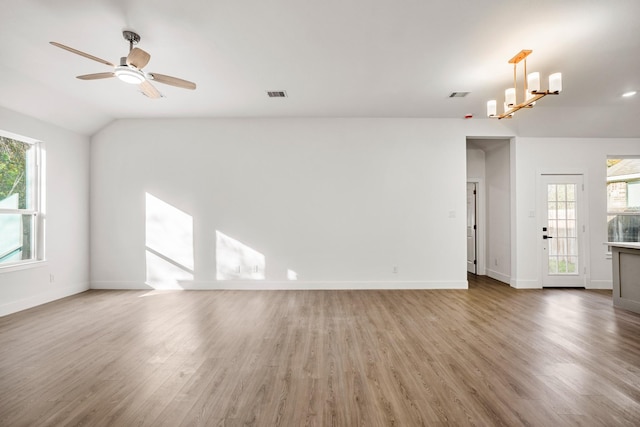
24, 265
37, 210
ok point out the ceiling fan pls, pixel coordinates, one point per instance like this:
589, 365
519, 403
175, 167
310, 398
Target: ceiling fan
130, 68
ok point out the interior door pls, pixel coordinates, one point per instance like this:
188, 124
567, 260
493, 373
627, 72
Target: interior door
471, 228
561, 199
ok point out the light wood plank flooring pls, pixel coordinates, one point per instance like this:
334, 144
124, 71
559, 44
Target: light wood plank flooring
487, 356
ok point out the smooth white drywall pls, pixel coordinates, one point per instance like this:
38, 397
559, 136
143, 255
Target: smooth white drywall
66, 270
340, 202
556, 156
498, 206
475, 163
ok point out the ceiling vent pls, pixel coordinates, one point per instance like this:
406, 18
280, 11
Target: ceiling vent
458, 94
277, 94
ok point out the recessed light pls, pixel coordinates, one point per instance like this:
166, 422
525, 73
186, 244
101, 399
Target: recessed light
630, 93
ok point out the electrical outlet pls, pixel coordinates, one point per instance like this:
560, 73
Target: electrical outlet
52, 278
395, 269
495, 262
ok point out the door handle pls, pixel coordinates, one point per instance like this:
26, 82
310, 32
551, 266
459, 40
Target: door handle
547, 237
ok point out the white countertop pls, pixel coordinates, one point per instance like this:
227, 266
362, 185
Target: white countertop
628, 245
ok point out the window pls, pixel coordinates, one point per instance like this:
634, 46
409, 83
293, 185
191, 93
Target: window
21, 219
623, 199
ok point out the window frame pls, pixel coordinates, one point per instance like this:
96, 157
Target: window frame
619, 179
36, 210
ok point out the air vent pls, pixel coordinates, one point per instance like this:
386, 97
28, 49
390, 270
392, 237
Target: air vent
458, 94
277, 94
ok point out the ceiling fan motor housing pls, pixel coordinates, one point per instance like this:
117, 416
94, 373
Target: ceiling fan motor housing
131, 37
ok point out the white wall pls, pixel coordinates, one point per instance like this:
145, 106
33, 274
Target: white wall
338, 201
67, 213
475, 163
565, 155
498, 187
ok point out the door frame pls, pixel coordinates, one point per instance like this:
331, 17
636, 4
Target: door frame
481, 268
584, 222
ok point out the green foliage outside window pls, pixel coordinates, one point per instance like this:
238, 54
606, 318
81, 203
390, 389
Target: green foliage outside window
13, 162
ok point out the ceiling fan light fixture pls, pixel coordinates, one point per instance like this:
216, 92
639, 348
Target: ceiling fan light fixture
130, 68
129, 75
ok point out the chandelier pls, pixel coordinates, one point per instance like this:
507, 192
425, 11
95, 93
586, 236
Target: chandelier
531, 92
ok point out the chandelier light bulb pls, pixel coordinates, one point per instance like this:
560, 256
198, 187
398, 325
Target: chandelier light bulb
533, 82
491, 108
510, 96
555, 82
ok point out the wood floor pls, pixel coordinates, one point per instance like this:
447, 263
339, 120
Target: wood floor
487, 356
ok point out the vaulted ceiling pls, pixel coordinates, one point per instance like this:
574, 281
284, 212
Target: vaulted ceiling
334, 58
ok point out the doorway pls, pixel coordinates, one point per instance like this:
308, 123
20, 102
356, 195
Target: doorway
489, 167
562, 217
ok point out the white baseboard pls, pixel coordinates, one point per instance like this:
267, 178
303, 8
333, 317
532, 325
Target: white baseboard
600, 284
119, 285
526, 284
286, 285
42, 298
498, 276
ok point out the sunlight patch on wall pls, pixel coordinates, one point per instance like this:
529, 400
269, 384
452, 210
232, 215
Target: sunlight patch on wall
235, 260
169, 244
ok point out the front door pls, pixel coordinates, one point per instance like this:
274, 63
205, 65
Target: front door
562, 231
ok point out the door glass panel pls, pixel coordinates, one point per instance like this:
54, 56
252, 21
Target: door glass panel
553, 248
563, 245
562, 264
562, 210
562, 231
562, 190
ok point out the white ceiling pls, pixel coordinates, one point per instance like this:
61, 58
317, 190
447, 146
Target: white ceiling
335, 58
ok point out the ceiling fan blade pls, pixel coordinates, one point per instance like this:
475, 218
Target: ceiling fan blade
96, 76
138, 58
150, 90
86, 55
173, 81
